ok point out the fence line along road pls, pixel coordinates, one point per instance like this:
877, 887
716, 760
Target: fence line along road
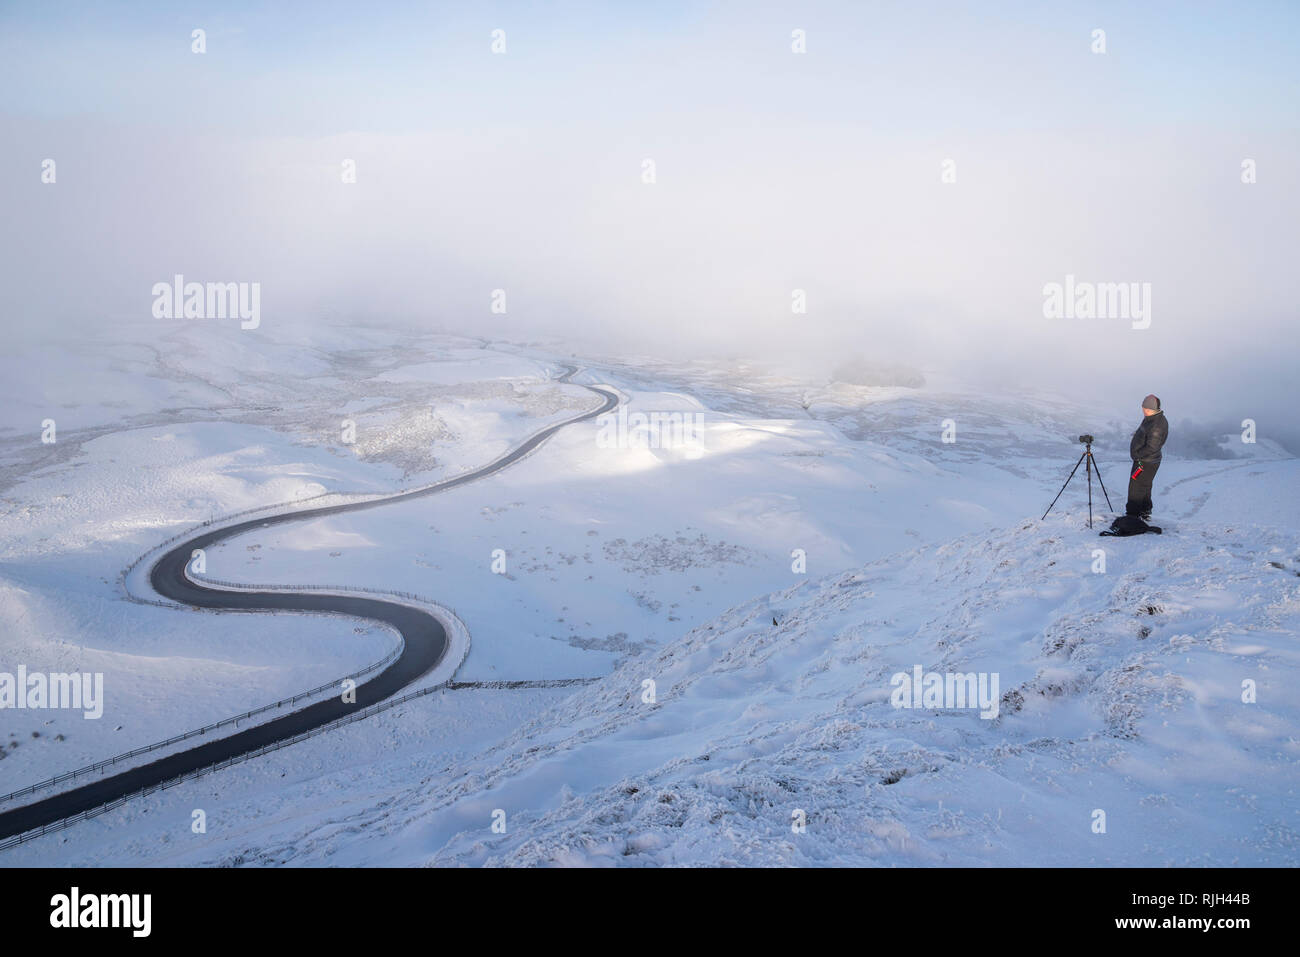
224, 722
216, 766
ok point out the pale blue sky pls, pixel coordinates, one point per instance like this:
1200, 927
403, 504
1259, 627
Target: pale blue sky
318, 68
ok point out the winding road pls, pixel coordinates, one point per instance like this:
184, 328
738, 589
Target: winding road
424, 637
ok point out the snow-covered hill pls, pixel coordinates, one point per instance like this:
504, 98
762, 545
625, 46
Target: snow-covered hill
1119, 668
1120, 690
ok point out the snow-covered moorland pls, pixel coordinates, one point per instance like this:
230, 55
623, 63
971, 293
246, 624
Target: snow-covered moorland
743, 601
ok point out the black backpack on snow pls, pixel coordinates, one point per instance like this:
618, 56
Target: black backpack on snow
1130, 525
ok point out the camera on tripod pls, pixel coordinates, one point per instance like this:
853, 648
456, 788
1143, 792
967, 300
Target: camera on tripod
1086, 441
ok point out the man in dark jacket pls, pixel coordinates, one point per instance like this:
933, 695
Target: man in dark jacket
1145, 448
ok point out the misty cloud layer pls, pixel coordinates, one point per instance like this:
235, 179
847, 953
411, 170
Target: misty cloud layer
775, 172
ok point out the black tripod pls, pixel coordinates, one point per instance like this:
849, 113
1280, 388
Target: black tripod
1092, 464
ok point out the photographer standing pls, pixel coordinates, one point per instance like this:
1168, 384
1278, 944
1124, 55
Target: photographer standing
1145, 451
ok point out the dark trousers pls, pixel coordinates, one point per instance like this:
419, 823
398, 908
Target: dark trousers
1139, 490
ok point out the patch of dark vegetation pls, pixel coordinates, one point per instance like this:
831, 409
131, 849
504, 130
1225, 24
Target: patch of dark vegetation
858, 371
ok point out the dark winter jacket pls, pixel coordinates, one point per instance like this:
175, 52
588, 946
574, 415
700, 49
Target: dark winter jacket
1149, 439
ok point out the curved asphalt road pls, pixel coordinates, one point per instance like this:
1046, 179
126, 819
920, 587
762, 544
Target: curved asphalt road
424, 636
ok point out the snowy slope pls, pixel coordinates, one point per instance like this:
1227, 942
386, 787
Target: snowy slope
1121, 691
1118, 691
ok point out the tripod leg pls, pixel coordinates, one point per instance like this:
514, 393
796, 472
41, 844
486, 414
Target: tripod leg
1089, 469
1067, 482
1103, 484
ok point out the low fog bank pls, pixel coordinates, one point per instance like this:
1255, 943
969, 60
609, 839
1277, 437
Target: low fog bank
771, 262
904, 194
